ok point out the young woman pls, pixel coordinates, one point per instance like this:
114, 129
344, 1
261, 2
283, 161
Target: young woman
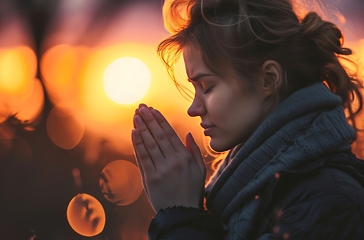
269, 88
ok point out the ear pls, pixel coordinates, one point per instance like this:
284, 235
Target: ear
272, 77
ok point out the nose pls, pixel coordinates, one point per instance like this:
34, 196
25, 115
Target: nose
197, 108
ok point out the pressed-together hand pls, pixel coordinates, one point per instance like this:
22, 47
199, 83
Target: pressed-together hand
173, 174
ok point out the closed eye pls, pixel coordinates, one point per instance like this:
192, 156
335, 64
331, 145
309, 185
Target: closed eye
200, 84
207, 90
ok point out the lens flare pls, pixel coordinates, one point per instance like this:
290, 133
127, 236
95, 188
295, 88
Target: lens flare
120, 182
127, 80
86, 215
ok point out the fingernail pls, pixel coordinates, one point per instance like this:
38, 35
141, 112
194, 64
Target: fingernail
142, 105
144, 111
138, 119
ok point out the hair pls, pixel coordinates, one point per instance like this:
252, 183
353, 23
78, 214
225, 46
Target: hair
243, 34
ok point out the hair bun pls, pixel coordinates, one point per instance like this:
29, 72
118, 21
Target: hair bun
325, 35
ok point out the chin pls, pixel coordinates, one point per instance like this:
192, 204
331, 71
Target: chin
219, 147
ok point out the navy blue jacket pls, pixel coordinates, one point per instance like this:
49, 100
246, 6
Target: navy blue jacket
323, 200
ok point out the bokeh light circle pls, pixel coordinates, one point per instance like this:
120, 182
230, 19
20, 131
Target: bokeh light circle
62, 67
17, 70
29, 108
126, 80
86, 215
121, 183
65, 126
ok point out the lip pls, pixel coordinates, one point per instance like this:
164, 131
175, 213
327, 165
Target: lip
208, 131
208, 128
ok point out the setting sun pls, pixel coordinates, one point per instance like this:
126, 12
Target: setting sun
126, 80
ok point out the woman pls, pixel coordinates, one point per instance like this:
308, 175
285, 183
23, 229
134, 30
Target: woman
269, 88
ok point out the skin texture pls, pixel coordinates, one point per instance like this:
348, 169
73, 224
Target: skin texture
228, 110
174, 174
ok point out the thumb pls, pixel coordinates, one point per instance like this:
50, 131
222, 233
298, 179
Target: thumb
195, 151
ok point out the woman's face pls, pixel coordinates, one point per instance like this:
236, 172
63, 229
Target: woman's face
229, 112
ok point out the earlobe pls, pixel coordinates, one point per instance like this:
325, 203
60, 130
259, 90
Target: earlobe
272, 76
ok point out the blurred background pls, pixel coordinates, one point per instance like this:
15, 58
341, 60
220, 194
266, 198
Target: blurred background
72, 73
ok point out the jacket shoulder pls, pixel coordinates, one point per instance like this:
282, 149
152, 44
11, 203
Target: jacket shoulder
324, 182
318, 204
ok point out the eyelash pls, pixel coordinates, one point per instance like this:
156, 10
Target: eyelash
204, 91
207, 90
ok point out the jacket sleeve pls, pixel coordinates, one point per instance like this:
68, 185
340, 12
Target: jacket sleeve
327, 217
181, 223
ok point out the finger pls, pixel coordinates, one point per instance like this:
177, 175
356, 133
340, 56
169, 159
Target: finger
171, 134
142, 158
195, 151
134, 136
144, 105
158, 133
136, 113
151, 144
140, 106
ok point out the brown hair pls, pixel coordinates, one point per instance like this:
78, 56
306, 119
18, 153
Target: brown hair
243, 34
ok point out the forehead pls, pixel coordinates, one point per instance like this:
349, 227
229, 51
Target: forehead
193, 61
195, 67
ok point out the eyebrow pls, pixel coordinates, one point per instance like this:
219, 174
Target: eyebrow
198, 76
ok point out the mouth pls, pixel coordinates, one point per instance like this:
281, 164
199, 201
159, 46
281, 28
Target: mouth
208, 129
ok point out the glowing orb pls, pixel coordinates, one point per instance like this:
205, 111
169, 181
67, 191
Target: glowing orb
17, 70
65, 127
86, 215
126, 80
121, 183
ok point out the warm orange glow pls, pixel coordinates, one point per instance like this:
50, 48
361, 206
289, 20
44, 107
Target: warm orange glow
17, 85
324, 10
61, 67
121, 183
357, 67
17, 70
175, 21
31, 107
65, 126
126, 80
111, 121
93, 95
358, 148
86, 215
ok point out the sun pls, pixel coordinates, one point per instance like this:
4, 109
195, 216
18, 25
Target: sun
126, 80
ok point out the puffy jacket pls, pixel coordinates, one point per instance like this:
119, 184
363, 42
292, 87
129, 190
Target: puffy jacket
324, 200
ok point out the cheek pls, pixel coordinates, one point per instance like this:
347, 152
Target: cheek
219, 105
242, 116
251, 115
